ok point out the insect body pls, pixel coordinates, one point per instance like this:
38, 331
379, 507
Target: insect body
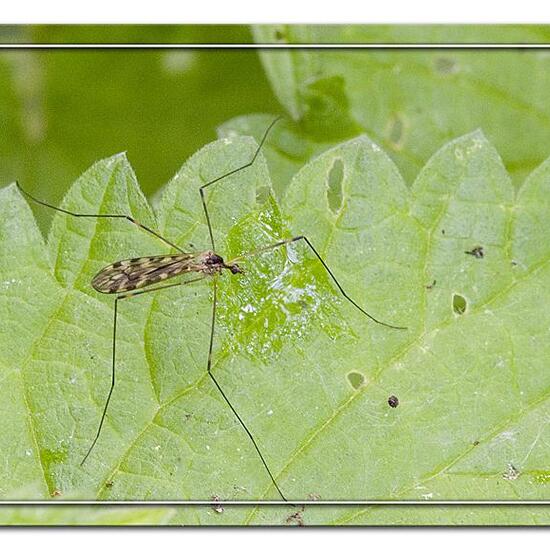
131, 277
135, 273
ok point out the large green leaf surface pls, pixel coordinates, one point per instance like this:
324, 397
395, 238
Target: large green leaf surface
309, 373
412, 101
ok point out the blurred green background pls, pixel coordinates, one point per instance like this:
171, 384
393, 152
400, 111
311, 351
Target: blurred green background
62, 110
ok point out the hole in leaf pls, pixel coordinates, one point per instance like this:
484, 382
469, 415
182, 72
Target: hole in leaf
459, 304
262, 194
356, 379
334, 185
396, 131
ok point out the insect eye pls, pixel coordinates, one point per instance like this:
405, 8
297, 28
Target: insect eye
214, 259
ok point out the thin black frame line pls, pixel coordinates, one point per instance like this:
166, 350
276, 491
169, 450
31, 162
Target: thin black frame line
350, 503
272, 46
469, 46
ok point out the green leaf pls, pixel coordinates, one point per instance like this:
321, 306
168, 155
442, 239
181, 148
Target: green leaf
413, 101
86, 515
309, 373
286, 151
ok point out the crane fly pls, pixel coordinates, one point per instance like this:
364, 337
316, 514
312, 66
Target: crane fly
131, 277
128, 275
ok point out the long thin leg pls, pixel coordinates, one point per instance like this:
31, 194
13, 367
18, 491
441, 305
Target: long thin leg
324, 264
241, 421
215, 180
112, 216
113, 370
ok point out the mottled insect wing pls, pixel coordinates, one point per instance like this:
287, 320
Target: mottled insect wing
127, 275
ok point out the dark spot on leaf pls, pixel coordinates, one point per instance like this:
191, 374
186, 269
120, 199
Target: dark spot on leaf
56, 493
443, 231
430, 286
327, 110
297, 518
279, 35
477, 252
393, 401
109, 483
217, 507
446, 65
459, 304
334, 185
356, 379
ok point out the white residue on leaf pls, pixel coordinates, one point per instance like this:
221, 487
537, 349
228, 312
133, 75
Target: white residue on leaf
28, 452
269, 412
294, 294
508, 436
477, 143
464, 151
7, 284
511, 472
